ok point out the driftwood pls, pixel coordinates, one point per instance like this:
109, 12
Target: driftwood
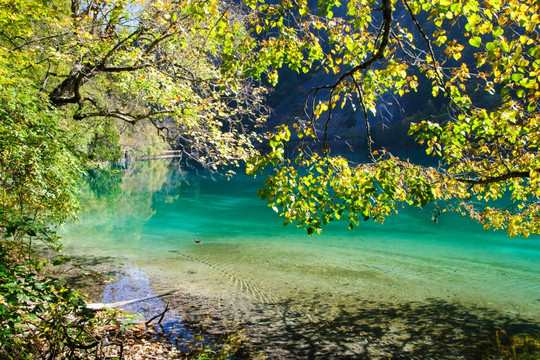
117, 304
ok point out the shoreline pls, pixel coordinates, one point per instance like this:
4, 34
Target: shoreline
285, 330
142, 158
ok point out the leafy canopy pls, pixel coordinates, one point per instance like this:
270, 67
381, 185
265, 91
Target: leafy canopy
156, 62
482, 58
183, 67
74, 64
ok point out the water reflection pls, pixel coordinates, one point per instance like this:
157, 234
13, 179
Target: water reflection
117, 202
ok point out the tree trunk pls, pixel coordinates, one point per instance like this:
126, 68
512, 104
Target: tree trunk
68, 91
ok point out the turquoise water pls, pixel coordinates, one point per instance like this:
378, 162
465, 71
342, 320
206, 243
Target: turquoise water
149, 215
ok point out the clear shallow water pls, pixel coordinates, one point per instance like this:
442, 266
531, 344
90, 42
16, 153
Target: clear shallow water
149, 216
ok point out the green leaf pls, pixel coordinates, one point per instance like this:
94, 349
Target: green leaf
517, 77
527, 82
498, 32
490, 46
475, 41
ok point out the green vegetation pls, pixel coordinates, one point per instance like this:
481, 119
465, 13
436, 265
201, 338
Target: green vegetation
105, 143
516, 347
88, 80
39, 317
482, 61
39, 170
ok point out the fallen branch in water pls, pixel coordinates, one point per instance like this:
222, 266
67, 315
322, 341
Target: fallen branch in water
117, 304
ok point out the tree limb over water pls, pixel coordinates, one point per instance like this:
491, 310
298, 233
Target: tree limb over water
480, 63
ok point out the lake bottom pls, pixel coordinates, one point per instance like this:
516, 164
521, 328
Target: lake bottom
294, 323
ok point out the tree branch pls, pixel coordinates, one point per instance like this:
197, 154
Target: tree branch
68, 91
158, 41
387, 22
118, 45
366, 119
18, 47
160, 315
386, 7
494, 179
430, 48
103, 68
129, 118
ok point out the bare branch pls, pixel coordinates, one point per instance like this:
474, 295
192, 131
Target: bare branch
366, 119
129, 68
158, 41
129, 118
28, 42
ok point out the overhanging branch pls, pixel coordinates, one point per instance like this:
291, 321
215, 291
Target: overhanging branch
386, 7
387, 22
494, 179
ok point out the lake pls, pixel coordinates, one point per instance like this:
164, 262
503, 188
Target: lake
409, 288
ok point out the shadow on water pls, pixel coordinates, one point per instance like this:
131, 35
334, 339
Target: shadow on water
434, 329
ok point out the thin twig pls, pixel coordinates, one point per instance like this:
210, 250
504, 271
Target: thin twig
160, 315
